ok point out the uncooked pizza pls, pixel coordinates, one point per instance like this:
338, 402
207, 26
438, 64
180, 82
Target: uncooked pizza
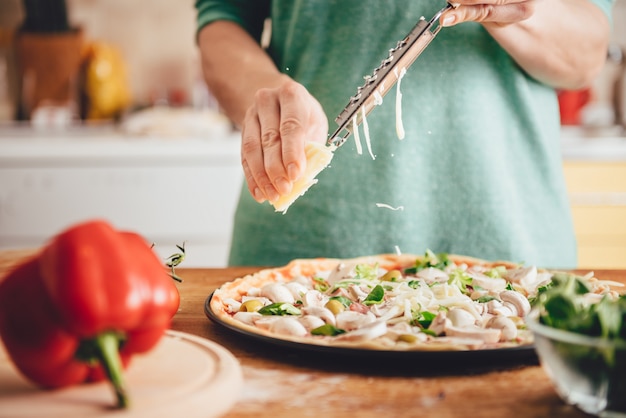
389, 302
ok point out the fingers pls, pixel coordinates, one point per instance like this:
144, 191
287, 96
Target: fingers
269, 109
502, 12
293, 106
252, 157
274, 132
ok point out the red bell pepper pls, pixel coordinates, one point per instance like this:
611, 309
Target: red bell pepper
78, 310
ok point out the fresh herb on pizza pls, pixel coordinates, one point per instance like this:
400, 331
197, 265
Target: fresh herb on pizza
389, 302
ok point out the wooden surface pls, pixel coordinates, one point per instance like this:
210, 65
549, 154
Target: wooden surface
182, 376
279, 382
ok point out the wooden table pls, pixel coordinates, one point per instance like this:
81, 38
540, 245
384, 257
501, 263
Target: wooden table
279, 382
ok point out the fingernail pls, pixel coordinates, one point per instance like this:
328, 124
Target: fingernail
449, 20
293, 171
283, 185
258, 195
271, 194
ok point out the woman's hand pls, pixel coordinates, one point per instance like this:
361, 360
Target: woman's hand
276, 114
497, 12
562, 43
274, 131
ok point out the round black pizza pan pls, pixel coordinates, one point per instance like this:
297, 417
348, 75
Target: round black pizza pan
387, 361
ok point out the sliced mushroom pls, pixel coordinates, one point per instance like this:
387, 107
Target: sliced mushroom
439, 323
496, 307
529, 278
495, 284
357, 292
277, 292
478, 293
311, 322
342, 271
521, 273
367, 332
487, 335
297, 289
248, 318
504, 324
232, 305
433, 275
253, 291
386, 312
518, 300
314, 298
288, 326
460, 317
323, 313
351, 320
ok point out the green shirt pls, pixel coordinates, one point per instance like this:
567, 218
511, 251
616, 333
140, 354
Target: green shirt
479, 172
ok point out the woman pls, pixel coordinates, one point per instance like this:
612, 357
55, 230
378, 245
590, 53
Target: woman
479, 171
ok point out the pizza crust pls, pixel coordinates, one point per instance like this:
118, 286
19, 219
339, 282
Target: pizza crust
318, 156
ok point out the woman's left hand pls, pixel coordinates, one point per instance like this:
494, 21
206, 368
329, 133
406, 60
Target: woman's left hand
498, 12
561, 43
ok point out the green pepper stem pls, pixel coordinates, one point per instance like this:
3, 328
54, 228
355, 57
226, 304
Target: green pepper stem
107, 346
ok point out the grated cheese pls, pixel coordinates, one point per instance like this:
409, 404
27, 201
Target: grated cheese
357, 138
399, 125
378, 99
366, 130
384, 205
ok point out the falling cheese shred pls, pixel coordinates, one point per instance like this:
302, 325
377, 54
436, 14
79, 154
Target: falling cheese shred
357, 138
366, 131
399, 125
318, 156
384, 205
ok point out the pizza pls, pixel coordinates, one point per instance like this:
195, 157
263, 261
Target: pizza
388, 302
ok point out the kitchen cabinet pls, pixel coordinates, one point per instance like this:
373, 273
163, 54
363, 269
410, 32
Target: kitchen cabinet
597, 191
169, 189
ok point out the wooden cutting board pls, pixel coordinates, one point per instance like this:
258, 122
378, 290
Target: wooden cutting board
183, 376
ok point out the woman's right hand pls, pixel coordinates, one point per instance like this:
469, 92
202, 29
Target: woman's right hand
274, 130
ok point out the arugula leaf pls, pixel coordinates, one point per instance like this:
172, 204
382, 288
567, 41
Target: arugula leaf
496, 272
563, 306
321, 285
414, 284
279, 308
485, 298
609, 316
375, 296
327, 330
460, 279
366, 271
439, 261
423, 319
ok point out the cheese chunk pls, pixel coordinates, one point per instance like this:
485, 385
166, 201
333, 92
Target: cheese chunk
318, 157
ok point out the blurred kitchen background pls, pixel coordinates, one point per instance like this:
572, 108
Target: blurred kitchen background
124, 128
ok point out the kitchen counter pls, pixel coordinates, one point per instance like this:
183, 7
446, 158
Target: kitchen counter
279, 382
578, 144
170, 188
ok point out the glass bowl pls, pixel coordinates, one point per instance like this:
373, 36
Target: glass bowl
587, 372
